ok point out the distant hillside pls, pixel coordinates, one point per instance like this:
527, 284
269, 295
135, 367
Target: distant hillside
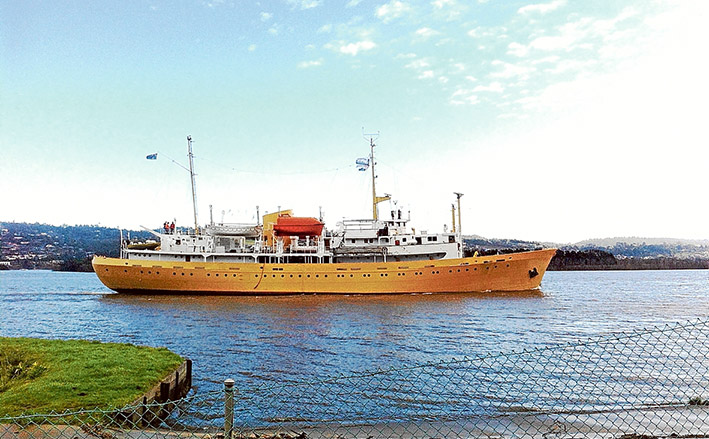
634, 240
69, 248
608, 254
649, 247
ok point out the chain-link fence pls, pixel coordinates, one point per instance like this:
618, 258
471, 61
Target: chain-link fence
653, 382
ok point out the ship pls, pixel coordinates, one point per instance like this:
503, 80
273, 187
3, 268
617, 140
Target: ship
287, 254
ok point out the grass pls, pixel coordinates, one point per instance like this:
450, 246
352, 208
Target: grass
39, 376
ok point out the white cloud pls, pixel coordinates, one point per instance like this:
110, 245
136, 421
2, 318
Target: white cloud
475, 32
325, 29
458, 67
392, 10
509, 70
308, 64
426, 74
497, 32
354, 48
252, 47
418, 64
541, 8
426, 32
463, 97
547, 59
558, 42
405, 56
517, 49
439, 4
572, 65
353, 3
265, 16
494, 87
305, 4
273, 30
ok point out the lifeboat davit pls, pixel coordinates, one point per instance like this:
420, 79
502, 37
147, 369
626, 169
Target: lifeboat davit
298, 226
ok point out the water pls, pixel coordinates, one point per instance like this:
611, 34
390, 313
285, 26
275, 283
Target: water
259, 340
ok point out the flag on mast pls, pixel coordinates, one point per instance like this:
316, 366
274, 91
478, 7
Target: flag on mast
362, 164
152, 156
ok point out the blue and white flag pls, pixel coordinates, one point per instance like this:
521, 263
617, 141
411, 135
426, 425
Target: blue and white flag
362, 164
152, 156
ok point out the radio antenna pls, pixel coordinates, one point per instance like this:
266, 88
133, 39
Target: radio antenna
371, 137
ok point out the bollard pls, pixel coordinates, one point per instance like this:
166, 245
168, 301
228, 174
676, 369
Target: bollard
228, 408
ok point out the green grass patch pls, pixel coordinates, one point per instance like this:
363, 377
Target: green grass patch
39, 376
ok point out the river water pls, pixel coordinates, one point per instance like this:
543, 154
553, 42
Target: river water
261, 340
304, 337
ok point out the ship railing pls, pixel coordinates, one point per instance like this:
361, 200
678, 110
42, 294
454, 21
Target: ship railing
303, 248
359, 225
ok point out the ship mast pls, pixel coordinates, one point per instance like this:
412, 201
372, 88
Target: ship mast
194, 193
458, 195
375, 199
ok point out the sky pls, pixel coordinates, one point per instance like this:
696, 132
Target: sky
559, 120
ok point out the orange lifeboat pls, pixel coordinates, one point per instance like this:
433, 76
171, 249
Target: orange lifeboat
297, 226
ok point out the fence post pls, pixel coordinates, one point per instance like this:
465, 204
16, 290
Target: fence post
228, 408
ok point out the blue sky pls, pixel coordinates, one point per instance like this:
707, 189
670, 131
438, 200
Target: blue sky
559, 120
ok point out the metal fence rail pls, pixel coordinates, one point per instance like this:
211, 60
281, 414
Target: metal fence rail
653, 382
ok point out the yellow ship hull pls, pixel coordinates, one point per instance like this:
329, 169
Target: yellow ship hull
511, 272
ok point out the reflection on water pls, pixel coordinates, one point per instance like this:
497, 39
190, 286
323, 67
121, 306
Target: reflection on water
290, 338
